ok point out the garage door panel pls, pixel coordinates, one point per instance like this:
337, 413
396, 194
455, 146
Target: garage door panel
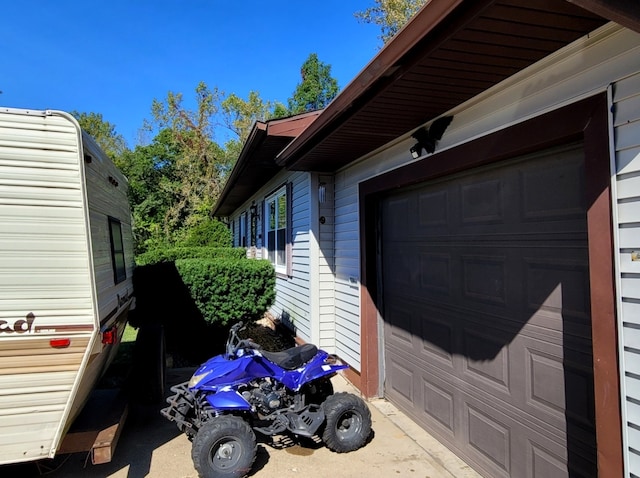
437, 338
433, 212
554, 193
489, 372
545, 386
400, 326
482, 202
408, 326
439, 403
558, 287
398, 211
405, 270
490, 437
486, 309
435, 273
401, 380
543, 463
484, 278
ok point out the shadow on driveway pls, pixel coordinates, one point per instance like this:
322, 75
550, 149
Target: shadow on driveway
144, 432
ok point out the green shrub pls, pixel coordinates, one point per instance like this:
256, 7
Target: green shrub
226, 290
195, 299
210, 233
174, 253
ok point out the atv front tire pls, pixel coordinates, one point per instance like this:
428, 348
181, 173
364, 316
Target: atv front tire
224, 447
348, 422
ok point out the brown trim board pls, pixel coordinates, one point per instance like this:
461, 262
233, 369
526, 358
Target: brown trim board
584, 120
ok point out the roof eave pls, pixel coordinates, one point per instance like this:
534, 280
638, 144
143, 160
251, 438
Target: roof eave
263, 134
430, 28
381, 66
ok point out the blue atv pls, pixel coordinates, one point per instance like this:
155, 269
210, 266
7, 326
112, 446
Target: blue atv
247, 389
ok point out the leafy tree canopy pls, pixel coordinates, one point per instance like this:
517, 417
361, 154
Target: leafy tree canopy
316, 89
240, 115
176, 179
103, 132
198, 169
390, 15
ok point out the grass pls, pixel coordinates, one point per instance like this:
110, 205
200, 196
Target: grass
130, 334
125, 348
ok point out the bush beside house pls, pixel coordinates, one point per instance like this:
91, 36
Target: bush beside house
226, 290
171, 254
195, 298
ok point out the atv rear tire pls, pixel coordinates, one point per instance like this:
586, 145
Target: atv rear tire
348, 422
224, 447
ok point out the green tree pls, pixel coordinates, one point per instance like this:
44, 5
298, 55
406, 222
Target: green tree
153, 188
103, 132
280, 111
390, 15
316, 89
240, 115
201, 165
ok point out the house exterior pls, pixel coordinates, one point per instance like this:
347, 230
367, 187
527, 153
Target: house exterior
490, 289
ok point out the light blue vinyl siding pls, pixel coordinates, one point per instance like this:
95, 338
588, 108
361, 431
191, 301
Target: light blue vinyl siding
292, 293
626, 127
326, 267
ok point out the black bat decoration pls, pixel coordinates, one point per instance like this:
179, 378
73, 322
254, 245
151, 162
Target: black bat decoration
427, 138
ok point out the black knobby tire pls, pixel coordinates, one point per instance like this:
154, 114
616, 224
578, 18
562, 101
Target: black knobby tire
348, 422
224, 447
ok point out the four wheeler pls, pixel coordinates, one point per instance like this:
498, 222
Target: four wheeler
248, 389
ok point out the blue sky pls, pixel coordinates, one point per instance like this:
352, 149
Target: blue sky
114, 57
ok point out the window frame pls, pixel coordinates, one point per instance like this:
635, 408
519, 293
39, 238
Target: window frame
118, 258
279, 254
242, 234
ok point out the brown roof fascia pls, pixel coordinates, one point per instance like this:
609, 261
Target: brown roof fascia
257, 134
398, 50
291, 126
382, 65
288, 127
623, 12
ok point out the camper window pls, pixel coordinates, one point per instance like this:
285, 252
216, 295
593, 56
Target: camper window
117, 251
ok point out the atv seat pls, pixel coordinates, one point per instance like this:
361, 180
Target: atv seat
292, 358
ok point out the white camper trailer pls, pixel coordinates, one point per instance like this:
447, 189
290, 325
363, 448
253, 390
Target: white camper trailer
66, 260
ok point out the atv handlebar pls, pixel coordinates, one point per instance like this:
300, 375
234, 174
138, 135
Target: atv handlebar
235, 343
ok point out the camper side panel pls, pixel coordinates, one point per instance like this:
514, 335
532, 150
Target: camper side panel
111, 247
109, 214
45, 280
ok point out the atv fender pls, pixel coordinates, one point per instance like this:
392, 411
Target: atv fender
228, 400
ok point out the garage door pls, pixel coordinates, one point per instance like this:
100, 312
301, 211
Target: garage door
487, 336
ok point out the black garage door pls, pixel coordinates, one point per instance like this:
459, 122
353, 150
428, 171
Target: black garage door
487, 337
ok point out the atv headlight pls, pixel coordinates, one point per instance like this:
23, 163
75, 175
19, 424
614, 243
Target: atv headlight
196, 379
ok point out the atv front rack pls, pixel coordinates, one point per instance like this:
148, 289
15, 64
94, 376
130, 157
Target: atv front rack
180, 406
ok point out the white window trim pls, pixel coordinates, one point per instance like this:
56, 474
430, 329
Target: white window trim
279, 268
243, 231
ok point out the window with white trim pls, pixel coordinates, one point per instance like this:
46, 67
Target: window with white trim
117, 251
276, 215
243, 230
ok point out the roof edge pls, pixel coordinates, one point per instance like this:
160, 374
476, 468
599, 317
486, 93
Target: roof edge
380, 66
623, 12
256, 136
289, 127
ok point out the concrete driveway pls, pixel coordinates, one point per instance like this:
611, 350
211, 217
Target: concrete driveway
151, 446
